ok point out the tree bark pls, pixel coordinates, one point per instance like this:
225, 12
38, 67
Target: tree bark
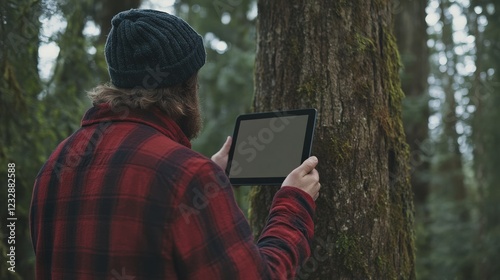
341, 58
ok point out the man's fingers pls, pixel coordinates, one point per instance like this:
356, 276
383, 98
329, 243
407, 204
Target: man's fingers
307, 166
224, 150
227, 145
220, 158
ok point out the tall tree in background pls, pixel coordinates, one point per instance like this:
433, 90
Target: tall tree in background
21, 129
77, 70
341, 58
102, 13
226, 82
73, 74
486, 136
449, 229
411, 34
450, 165
35, 115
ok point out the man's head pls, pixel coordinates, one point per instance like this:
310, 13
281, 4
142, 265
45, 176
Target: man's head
150, 49
153, 59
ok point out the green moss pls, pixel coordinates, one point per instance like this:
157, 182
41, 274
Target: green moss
337, 144
349, 249
295, 47
392, 65
309, 88
381, 263
339, 7
358, 45
381, 4
363, 43
397, 207
340, 149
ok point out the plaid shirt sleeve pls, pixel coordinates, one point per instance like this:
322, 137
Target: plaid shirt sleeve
213, 239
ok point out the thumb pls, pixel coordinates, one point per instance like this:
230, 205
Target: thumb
227, 145
224, 150
307, 166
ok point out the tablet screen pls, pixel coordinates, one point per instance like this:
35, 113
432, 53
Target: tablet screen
268, 146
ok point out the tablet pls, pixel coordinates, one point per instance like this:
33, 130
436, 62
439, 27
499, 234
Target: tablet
267, 146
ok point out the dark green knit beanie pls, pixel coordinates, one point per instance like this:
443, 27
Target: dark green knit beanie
152, 49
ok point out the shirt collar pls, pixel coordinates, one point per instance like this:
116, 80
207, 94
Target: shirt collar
153, 117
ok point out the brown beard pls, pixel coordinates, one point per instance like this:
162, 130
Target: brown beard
189, 117
191, 123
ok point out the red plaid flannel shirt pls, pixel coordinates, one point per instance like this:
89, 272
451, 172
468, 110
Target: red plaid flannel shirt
125, 197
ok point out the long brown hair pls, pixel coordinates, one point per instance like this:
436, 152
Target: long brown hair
177, 101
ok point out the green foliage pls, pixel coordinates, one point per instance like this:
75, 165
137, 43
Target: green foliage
21, 129
459, 232
226, 80
36, 115
487, 141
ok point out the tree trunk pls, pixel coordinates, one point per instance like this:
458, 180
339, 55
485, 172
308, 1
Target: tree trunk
486, 137
103, 12
451, 165
76, 69
106, 10
341, 58
411, 34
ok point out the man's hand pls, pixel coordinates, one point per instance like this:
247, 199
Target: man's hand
305, 177
220, 158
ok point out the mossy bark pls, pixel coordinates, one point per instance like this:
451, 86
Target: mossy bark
341, 58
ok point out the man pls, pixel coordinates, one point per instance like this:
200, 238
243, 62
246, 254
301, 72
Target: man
125, 197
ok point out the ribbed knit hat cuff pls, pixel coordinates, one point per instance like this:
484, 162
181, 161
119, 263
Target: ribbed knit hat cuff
156, 76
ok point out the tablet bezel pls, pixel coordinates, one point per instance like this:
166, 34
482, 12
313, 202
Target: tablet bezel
306, 149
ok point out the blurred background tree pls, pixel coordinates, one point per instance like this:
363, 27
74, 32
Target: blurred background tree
226, 80
51, 52
23, 131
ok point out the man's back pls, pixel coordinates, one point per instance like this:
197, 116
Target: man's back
109, 193
123, 196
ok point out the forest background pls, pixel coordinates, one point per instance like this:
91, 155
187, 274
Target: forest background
51, 53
